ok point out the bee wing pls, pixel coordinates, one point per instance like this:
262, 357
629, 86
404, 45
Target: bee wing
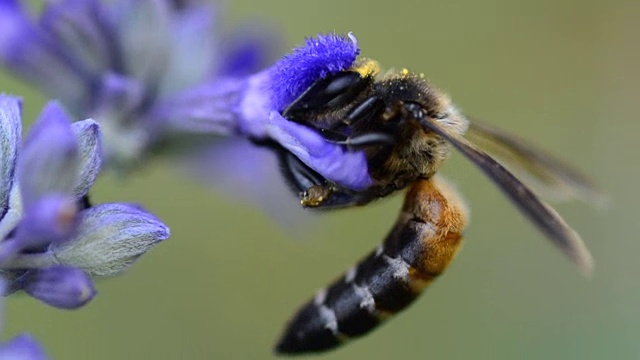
541, 214
548, 176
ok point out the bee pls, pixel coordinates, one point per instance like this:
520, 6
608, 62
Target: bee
406, 127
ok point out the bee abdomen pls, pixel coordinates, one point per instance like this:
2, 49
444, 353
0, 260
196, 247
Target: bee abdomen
350, 307
420, 246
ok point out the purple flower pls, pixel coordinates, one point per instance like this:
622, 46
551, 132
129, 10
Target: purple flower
110, 238
60, 286
50, 176
321, 56
51, 239
150, 72
288, 79
121, 63
22, 347
252, 106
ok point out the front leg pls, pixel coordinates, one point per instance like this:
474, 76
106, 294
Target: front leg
314, 190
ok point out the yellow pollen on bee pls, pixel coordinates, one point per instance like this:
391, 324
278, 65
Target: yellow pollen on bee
366, 67
405, 72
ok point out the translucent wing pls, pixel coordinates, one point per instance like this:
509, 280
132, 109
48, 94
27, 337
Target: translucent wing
541, 214
548, 176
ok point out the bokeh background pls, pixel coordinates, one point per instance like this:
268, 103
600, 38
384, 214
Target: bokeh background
562, 74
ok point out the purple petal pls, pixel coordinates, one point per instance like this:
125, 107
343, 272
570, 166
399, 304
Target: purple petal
85, 30
87, 133
255, 106
10, 134
194, 48
32, 53
208, 109
60, 286
22, 347
333, 162
125, 134
321, 56
232, 166
110, 237
50, 219
143, 30
53, 114
249, 51
49, 162
119, 94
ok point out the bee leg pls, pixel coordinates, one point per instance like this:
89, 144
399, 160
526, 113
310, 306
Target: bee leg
418, 249
331, 92
300, 176
363, 141
357, 142
314, 190
365, 110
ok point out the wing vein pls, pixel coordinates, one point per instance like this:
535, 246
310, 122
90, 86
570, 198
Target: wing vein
541, 214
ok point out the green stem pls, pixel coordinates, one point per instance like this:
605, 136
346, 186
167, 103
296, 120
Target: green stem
30, 261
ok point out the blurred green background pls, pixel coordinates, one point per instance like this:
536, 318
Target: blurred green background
562, 74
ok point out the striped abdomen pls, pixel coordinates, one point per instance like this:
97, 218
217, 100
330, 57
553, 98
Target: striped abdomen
420, 246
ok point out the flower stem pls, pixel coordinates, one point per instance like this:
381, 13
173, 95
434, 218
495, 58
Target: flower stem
30, 261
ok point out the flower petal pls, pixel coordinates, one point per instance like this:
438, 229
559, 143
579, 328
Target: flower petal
232, 166
143, 29
27, 50
319, 57
10, 134
50, 219
208, 109
22, 347
87, 133
124, 133
333, 162
60, 286
84, 28
110, 238
255, 106
193, 56
49, 162
249, 50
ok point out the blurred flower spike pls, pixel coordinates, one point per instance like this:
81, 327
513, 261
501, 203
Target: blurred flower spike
122, 62
52, 241
252, 107
22, 347
157, 73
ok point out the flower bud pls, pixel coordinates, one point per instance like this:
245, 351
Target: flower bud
60, 286
109, 238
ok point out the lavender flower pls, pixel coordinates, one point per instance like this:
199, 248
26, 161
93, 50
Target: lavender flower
151, 72
22, 347
252, 107
123, 62
64, 287
51, 240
